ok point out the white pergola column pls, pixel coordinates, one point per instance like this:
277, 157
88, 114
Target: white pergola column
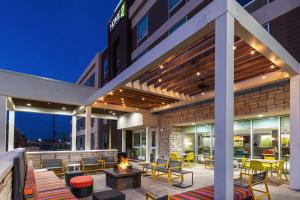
123, 140
224, 110
295, 132
96, 134
157, 142
11, 130
3, 110
88, 127
148, 143
74, 124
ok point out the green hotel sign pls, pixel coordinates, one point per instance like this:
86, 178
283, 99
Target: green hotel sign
120, 14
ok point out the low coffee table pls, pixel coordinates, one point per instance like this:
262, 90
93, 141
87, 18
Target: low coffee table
109, 195
123, 180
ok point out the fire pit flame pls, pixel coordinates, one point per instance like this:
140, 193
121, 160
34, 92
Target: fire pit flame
123, 164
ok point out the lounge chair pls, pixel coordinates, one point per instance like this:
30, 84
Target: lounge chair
150, 168
55, 165
109, 161
249, 181
171, 170
150, 196
92, 164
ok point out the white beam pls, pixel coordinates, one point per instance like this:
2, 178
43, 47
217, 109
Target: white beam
123, 140
197, 26
259, 39
295, 132
11, 130
88, 127
30, 87
119, 108
3, 110
74, 124
96, 134
42, 110
148, 144
224, 111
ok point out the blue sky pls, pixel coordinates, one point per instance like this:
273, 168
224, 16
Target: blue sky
51, 38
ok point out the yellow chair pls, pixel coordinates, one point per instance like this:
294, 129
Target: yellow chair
251, 180
280, 170
267, 165
190, 158
175, 156
257, 166
209, 162
245, 164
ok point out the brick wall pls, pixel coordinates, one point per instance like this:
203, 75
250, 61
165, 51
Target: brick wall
270, 98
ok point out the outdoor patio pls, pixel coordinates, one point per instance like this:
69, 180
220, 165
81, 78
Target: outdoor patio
202, 178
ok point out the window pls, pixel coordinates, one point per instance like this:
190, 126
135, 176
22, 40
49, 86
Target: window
90, 82
265, 137
242, 138
142, 29
177, 25
203, 139
189, 139
173, 4
245, 2
105, 68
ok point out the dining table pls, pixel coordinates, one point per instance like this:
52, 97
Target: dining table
270, 162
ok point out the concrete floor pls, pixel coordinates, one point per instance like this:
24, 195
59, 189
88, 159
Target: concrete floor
202, 177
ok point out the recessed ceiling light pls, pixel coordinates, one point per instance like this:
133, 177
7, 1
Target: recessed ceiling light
143, 99
203, 93
63, 108
111, 93
49, 103
260, 115
163, 103
28, 104
105, 103
159, 80
193, 123
234, 47
113, 113
122, 99
120, 90
272, 66
252, 52
263, 77
161, 66
198, 73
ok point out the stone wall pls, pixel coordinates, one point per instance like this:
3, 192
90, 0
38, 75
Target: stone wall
273, 98
68, 156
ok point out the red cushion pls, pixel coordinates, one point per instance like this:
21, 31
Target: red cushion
81, 181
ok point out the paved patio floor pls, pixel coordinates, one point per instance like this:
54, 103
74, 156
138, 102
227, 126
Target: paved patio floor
202, 177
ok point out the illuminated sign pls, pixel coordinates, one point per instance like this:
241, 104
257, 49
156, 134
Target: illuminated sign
121, 13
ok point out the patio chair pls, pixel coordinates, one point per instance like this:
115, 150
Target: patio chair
190, 158
280, 170
245, 164
150, 196
91, 164
151, 168
174, 167
209, 162
247, 180
175, 156
55, 165
109, 161
257, 166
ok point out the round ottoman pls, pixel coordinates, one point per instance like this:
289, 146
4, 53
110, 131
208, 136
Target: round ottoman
82, 186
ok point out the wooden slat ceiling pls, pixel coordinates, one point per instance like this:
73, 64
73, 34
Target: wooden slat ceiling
136, 99
192, 72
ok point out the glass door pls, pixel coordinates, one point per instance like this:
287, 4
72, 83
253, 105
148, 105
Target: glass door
139, 145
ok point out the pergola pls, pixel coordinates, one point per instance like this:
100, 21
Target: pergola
221, 50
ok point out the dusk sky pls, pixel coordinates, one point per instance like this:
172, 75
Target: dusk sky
51, 38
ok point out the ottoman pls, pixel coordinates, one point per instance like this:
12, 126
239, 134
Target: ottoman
70, 175
109, 195
82, 186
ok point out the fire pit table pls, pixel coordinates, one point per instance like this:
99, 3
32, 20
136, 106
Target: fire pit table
123, 179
